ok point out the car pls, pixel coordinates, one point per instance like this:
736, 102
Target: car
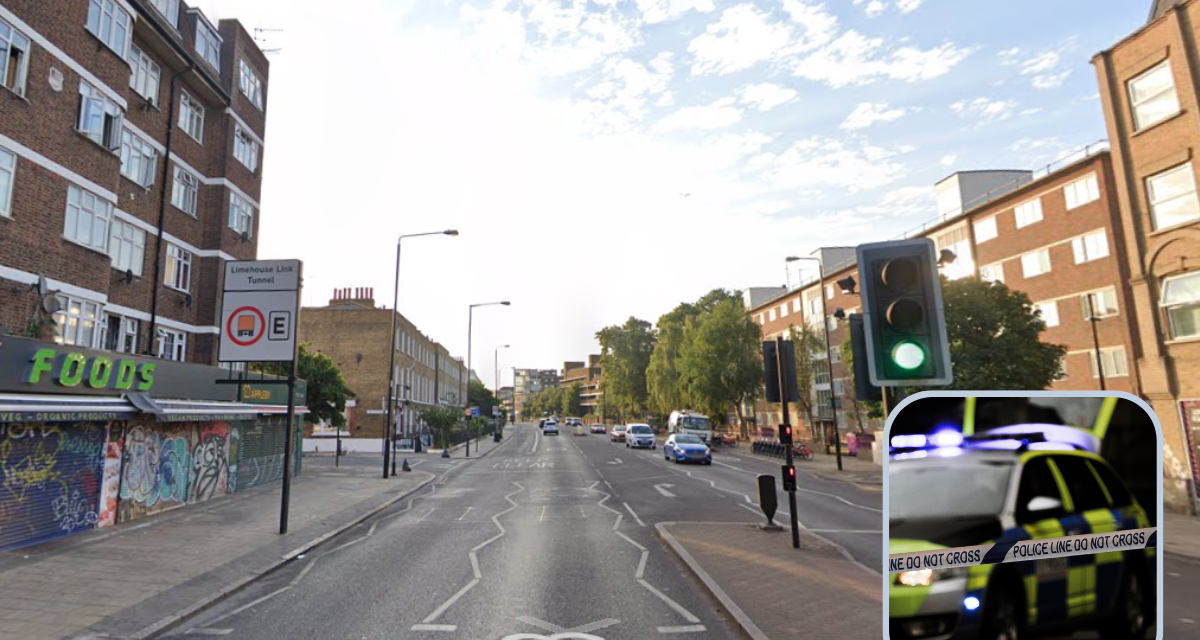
640, 435
550, 428
542, 423
573, 422
598, 428
1013, 483
618, 433
686, 447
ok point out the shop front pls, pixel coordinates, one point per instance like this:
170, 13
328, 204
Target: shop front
90, 439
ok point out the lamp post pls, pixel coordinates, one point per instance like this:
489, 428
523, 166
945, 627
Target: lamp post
391, 390
837, 445
1093, 319
496, 371
470, 324
788, 272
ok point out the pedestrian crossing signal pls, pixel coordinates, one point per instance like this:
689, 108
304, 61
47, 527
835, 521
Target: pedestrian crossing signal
789, 477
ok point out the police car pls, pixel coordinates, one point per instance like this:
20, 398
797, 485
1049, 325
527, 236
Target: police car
1013, 483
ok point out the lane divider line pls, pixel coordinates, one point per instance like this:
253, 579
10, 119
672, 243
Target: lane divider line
743, 620
693, 628
687, 615
632, 513
434, 627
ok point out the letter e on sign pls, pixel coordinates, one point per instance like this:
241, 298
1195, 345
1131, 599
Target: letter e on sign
279, 325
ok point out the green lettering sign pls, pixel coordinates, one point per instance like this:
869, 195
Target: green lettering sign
71, 373
100, 372
41, 362
146, 373
125, 371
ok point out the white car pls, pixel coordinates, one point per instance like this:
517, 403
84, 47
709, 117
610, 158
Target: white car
640, 435
550, 428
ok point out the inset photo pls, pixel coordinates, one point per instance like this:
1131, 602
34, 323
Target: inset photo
1023, 516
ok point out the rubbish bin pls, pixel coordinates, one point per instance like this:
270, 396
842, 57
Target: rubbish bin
852, 444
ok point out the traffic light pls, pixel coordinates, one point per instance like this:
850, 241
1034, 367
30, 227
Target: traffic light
785, 434
902, 312
789, 477
863, 389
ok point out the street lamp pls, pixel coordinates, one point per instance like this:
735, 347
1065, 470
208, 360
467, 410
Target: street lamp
470, 322
1093, 319
788, 272
837, 445
391, 400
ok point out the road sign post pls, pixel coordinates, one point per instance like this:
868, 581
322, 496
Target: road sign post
779, 358
260, 313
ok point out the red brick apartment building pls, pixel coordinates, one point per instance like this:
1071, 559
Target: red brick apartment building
1148, 88
131, 142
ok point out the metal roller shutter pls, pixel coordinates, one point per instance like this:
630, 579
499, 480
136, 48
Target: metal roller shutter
260, 452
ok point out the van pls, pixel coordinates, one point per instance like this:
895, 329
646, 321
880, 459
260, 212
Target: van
690, 422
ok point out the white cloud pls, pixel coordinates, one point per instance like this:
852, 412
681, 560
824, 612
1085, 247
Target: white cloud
854, 59
874, 8
877, 7
741, 38
948, 160
984, 110
868, 113
718, 115
821, 160
766, 96
907, 6
655, 11
1050, 81
1044, 68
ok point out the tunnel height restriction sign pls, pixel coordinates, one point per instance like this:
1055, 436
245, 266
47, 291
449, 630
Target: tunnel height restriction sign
259, 311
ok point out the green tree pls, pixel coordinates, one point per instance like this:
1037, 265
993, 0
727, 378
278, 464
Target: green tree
719, 362
808, 343
995, 338
327, 390
442, 421
570, 400
664, 388
482, 397
625, 356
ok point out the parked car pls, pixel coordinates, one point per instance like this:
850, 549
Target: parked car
542, 423
599, 428
618, 433
640, 435
681, 447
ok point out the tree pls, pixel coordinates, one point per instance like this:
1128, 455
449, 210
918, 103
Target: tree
995, 338
570, 401
808, 343
442, 421
664, 389
719, 363
625, 355
327, 390
482, 397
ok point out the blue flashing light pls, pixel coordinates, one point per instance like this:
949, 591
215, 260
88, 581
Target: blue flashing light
1001, 445
1055, 433
946, 438
946, 452
971, 603
914, 441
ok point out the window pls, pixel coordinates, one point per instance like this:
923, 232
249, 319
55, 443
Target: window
1048, 311
1028, 213
992, 272
179, 268
109, 22
208, 44
1082, 191
1172, 196
956, 240
250, 84
172, 345
1113, 360
120, 333
137, 159
145, 76
835, 355
1061, 374
77, 321
87, 219
14, 58
831, 323
1037, 481
1093, 246
169, 9
8, 170
838, 388
761, 320
986, 229
99, 118
191, 117
771, 314
796, 305
783, 310
1086, 492
241, 216
127, 247
814, 309
1116, 489
1036, 263
245, 149
185, 192
1152, 96
1103, 303
1181, 300
829, 292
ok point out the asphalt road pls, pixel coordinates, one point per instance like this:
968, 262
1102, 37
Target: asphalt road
547, 537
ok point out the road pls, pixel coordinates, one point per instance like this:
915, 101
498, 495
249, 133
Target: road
545, 537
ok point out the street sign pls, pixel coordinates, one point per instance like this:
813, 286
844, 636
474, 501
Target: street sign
259, 311
474, 412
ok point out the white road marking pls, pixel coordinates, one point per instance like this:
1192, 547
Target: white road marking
209, 632
733, 467
447, 604
631, 541
553, 628
631, 512
687, 615
592, 626
431, 510
344, 545
662, 488
542, 517
372, 531
475, 565
694, 628
249, 605
853, 504
434, 627
465, 513
616, 461
1187, 621
536, 437
300, 576
844, 531
618, 522
641, 570
1173, 574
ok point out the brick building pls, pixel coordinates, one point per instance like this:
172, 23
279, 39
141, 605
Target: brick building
131, 143
588, 376
528, 382
1148, 89
350, 330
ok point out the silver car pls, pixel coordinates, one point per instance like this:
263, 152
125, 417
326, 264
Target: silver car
550, 428
640, 435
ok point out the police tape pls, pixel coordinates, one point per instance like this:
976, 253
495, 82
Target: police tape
1023, 550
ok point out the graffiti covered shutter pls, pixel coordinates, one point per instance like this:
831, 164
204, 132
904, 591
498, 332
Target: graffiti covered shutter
260, 452
50, 477
170, 465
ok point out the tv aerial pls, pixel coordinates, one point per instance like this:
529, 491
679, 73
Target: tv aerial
258, 38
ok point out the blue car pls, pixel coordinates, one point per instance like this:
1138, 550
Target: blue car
685, 447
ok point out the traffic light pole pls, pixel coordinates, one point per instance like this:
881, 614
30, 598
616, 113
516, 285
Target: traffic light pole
787, 448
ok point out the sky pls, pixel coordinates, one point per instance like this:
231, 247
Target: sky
603, 159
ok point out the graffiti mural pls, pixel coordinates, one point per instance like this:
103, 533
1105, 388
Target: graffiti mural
50, 477
170, 465
111, 487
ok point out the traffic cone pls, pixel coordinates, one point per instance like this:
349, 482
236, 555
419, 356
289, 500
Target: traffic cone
405, 466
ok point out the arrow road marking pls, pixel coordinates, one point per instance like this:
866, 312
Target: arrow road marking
662, 488
616, 461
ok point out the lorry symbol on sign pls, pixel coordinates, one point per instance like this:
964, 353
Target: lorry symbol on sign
245, 325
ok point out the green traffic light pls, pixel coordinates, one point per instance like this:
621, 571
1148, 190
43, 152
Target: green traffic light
908, 355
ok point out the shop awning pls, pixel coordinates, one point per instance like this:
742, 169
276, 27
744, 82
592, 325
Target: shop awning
64, 408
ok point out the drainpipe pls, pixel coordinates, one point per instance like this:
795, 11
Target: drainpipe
162, 208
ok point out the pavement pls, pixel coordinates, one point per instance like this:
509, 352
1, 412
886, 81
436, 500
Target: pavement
563, 537
137, 579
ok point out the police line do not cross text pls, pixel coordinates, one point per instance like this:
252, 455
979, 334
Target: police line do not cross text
1024, 550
